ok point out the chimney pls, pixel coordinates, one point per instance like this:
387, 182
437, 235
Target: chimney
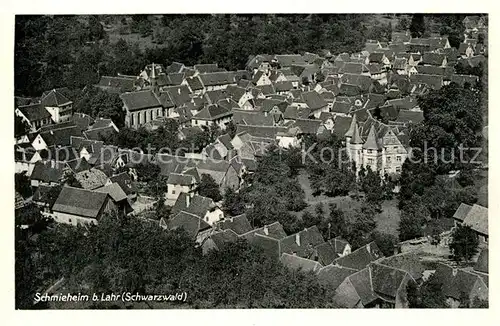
179, 91
266, 230
188, 200
454, 271
297, 239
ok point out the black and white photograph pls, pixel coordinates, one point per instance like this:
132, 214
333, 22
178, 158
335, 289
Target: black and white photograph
249, 161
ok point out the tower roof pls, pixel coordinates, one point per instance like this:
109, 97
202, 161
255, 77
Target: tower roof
371, 140
356, 138
350, 131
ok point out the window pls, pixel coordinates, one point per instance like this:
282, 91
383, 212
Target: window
395, 148
195, 122
131, 119
69, 220
206, 218
173, 191
370, 151
398, 169
370, 161
388, 159
398, 158
150, 115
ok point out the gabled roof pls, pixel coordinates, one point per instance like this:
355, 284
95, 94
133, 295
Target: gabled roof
408, 262
114, 191
207, 68
361, 257
140, 100
253, 118
302, 243
313, 100
482, 262
91, 179
477, 219
212, 112
287, 60
180, 179
191, 223
299, 263
332, 276
81, 202
218, 78
48, 171
123, 179
198, 205
54, 98
386, 280
239, 224
34, 112
456, 281
431, 58
118, 83
360, 284
462, 212
273, 230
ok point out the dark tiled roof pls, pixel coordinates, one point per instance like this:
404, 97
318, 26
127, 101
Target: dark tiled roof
198, 205
386, 280
49, 171
299, 263
455, 281
80, 202
54, 98
180, 179
239, 224
477, 219
218, 78
332, 276
361, 257
140, 100
406, 116
34, 112
191, 223
482, 262
119, 83
313, 100
125, 182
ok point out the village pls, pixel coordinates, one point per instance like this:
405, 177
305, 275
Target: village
77, 171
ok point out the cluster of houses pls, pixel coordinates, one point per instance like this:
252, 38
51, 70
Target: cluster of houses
367, 99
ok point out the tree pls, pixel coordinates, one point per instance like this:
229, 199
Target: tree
209, 188
335, 225
428, 295
464, 243
21, 128
22, 184
410, 226
386, 242
100, 104
72, 181
417, 25
233, 203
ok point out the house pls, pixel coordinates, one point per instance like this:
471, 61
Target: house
360, 258
126, 183
92, 179
41, 197
356, 291
434, 59
315, 103
459, 284
196, 228
199, 206
217, 240
117, 84
331, 276
48, 173
238, 224
330, 250
58, 137
466, 50
476, 217
260, 78
35, 115
213, 115
298, 263
141, 107
302, 243
58, 105
118, 196
177, 184
78, 206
